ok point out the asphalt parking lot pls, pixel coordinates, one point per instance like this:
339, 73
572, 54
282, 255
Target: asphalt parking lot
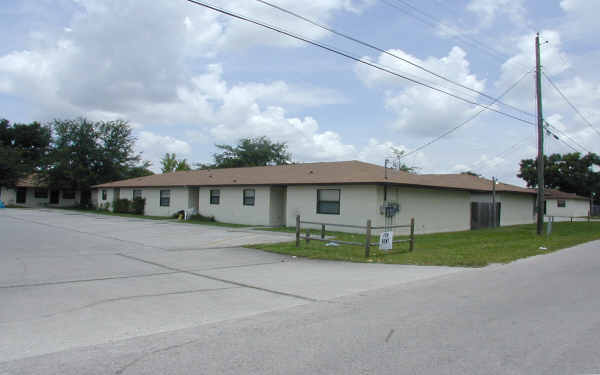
70, 279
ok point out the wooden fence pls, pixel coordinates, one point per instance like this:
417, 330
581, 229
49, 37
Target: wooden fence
368, 230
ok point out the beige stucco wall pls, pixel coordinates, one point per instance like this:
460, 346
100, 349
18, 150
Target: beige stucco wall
109, 197
178, 200
434, 210
8, 196
574, 207
357, 204
516, 208
231, 209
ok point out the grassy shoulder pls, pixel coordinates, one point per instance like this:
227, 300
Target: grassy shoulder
466, 249
193, 220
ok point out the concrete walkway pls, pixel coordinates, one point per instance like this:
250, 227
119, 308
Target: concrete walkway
70, 279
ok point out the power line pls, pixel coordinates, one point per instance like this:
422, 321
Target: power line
349, 56
370, 45
570, 104
466, 121
423, 17
551, 128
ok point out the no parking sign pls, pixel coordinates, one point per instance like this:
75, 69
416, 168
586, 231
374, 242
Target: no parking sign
386, 240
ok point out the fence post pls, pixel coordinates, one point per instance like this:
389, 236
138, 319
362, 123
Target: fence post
412, 234
368, 240
297, 230
307, 235
322, 231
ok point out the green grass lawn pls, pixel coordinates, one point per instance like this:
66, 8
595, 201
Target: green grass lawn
468, 249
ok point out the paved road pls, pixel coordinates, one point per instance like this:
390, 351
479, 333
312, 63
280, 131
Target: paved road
72, 281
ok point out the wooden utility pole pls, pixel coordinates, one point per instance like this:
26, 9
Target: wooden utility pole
494, 214
540, 121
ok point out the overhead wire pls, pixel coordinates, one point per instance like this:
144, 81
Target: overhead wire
588, 123
354, 58
435, 23
386, 52
448, 132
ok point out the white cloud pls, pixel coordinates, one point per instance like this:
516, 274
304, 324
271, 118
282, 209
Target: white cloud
154, 146
420, 110
488, 11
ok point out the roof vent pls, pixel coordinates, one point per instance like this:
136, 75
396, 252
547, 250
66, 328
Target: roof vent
234, 180
311, 172
210, 176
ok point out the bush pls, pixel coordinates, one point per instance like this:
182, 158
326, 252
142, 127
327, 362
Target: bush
122, 206
138, 205
104, 206
199, 217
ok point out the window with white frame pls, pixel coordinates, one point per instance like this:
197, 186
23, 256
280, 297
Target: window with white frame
328, 201
165, 198
215, 196
137, 193
561, 203
249, 195
104, 195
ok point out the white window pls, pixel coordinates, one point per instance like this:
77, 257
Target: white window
249, 195
137, 194
328, 201
165, 198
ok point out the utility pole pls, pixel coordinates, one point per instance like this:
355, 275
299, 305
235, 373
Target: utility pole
494, 214
540, 121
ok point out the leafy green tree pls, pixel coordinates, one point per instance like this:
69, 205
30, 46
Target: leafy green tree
23, 148
86, 153
171, 164
139, 170
251, 152
397, 162
571, 173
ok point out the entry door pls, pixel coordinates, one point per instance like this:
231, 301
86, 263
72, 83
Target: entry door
54, 196
21, 195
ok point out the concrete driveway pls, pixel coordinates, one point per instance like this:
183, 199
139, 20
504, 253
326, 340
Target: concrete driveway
69, 279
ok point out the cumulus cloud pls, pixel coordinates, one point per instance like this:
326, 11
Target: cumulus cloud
420, 110
154, 146
488, 11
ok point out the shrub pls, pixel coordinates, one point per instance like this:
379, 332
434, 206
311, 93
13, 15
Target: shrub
104, 206
138, 205
122, 206
199, 217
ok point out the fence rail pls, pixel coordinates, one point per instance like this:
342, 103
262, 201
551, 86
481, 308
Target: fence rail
551, 217
368, 229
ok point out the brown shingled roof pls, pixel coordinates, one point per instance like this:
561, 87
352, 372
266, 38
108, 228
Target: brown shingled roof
344, 172
29, 182
557, 194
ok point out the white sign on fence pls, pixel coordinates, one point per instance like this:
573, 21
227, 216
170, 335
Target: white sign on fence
386, 240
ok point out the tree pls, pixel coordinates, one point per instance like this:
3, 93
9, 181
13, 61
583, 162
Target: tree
23, 147
397, 162
570, 173
171, 164
139, 170
250, 152
86, 153
471, 173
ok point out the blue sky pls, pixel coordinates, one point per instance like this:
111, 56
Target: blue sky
186, 77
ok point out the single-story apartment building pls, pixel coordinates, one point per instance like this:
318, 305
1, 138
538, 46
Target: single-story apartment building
562, 206
348, 192
29, 192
